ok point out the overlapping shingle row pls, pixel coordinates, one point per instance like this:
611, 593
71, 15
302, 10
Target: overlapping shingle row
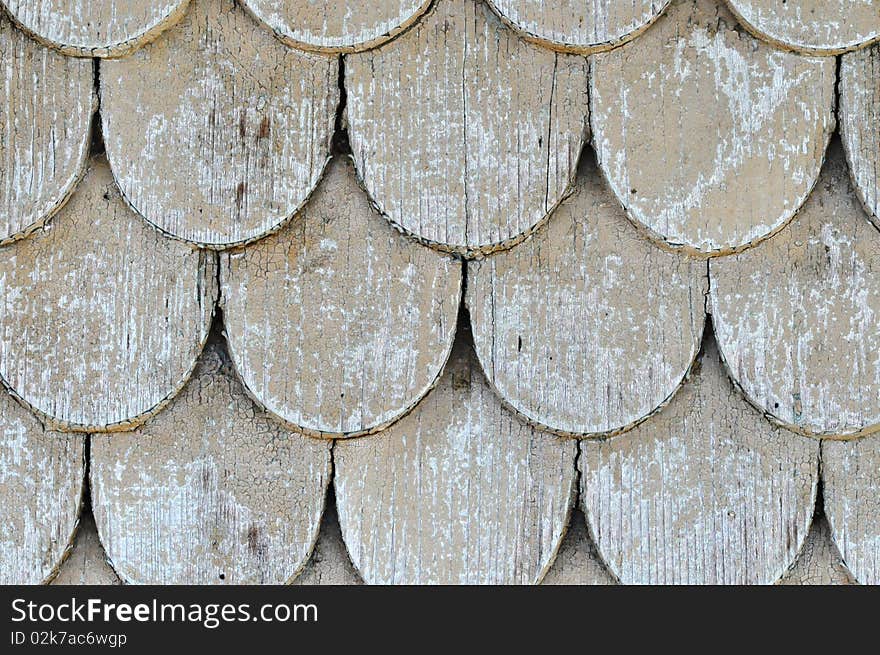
587, 285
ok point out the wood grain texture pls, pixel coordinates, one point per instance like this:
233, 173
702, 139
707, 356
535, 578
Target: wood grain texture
102, 317
859, 112
819, 562
210, 491
41, 483
337, 25
46, 105
711, 139
706, 492
339, 324
457, 492
238, 136
578, 561
850, 479
822, 27
89, 28
586, 327
797, 318
87, 562
583, 26
464, 135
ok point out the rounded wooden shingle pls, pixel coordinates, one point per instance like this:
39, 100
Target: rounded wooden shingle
464, 135
337, 25
102, 317
41, 483
859, 115
850, 479
586, 327
210, 491
457, 492
583, 26
822, 27
710, 138
95, 28
46, 109
339, 324
797, 318
705, 492
217, 133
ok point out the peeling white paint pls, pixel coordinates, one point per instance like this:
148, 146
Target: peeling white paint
582, 26
95, 28
334, 25
238, 136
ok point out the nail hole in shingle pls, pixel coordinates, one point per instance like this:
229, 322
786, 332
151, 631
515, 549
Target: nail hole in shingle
222, 576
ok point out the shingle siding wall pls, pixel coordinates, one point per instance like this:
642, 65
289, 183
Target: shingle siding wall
462, 291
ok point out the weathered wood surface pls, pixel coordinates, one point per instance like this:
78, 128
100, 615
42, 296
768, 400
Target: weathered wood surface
41, 483
819, 562
87, 562
859, 114
237, 137
797, 318
46, 107
102, 317
465, 135
706, 492
329, 563
339, 324
578, 561
458, 492
583, 26
587, 327
850, 479
210, 491
95, 28
337, 25
710, 138
823, 27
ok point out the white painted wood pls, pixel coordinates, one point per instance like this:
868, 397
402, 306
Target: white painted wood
238, 136
458, 492
339, 324
210, 491
95, 28
583, 26
41, 483
87, 562
464, 135
710, 138
46, 105
101, 317
821, 27
850, 479
337, 25
586, 327
859, 112
819, 562
797, 319
705, 492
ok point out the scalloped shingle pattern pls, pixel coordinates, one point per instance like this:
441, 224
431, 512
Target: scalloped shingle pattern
575, 292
